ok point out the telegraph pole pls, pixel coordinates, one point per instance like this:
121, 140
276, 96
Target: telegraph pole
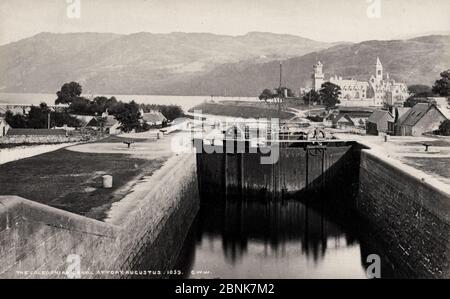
280, 91
281, 74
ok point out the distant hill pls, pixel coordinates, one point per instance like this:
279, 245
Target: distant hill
206, 64
138, 63
418, 60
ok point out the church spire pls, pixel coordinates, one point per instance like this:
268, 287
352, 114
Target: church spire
379, 62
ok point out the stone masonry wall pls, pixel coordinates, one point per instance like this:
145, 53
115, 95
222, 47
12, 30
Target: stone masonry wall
38, 139
36, 237
22, 152
410, 215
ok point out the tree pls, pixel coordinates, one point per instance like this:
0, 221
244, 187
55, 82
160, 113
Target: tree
419, 90
68, 93
419, 94
444, 128
81, 106
128, 116
101, 104
170, 112
311, 97
442, 86
16, 121
59, 119
329, 95
413, 101
277, 95
266, 95
98, 105
38, 117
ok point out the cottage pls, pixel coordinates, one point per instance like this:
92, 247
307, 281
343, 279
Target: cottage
378, 122
153, 118
4, 127
111, 125
421, 118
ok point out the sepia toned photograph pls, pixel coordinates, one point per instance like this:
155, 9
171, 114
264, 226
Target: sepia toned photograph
258, 140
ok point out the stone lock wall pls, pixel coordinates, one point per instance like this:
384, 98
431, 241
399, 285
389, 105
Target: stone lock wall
38, 139
35, 237
409, 214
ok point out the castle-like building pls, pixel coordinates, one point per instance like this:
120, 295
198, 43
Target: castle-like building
377, 91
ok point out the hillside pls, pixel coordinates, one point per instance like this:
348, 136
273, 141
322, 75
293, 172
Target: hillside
138, 63
206, 64
418, 60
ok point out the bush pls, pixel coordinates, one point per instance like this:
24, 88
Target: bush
170, 112
444, 128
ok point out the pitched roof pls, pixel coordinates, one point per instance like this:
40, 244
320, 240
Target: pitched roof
345, 116
402, 111
416, 113
84, 119
3, 120
153, 117
379, 115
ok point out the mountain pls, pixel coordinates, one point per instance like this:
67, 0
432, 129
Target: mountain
138, 63
414, 61
206, 64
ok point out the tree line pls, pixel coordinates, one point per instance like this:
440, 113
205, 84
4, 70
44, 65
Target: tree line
38, 118
328, 95
419, 92
127, 114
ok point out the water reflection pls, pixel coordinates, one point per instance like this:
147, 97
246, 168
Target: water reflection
284, 239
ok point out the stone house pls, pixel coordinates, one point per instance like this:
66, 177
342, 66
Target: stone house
378, 122
420, 119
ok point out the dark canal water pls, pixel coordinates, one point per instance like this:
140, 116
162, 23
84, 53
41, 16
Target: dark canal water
282, 239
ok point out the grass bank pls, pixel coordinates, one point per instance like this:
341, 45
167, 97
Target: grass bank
72, 181
242, 109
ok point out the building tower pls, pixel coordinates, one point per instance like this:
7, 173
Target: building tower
318, 76
379, 70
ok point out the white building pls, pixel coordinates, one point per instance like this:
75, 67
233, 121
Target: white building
377, 91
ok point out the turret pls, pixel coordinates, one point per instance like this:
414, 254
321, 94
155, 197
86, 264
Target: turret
318, 76
379, 70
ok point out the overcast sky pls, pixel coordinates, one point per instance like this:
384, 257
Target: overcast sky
323, 20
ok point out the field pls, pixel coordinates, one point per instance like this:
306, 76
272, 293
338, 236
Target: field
72, 180
432, 166
243, 109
